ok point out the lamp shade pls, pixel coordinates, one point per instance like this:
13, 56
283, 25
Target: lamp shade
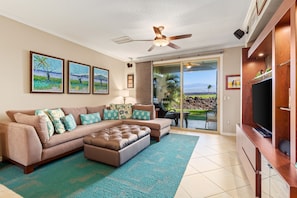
124, 93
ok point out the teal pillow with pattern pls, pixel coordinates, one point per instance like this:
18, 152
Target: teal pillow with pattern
55, 115
111, 114
125, 110
141, 115
90, 118
69, 122
50, 126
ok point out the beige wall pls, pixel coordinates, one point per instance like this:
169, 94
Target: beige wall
230, 98
16, 40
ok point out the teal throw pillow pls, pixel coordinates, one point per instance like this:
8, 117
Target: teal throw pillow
141, 115
69, 122
111, 114
90, 118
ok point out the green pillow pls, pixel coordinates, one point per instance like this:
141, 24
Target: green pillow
111, 114
90, 118
125, 110
69, 122
55, 115
141, 115
50, 126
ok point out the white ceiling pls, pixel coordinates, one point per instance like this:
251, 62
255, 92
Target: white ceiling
95, 23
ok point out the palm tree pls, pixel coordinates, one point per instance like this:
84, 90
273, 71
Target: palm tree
42, 63
209, 87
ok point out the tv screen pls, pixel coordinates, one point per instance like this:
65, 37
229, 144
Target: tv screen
262, 104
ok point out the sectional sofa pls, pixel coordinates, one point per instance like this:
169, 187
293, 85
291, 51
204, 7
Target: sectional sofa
28, 141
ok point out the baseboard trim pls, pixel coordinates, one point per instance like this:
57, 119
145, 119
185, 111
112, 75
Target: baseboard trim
228, 134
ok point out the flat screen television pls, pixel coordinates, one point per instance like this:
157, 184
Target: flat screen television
262, 104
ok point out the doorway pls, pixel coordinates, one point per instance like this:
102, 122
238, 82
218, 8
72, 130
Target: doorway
186, 92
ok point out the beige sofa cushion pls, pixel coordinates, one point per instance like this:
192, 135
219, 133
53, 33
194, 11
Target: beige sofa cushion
38, 122
96, 109
75, 111
10, 113
150, 108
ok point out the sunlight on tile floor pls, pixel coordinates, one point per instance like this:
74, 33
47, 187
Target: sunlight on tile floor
214, 170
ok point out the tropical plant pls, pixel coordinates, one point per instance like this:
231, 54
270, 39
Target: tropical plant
173, 91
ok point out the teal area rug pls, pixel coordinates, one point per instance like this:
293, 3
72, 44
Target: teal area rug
154, 172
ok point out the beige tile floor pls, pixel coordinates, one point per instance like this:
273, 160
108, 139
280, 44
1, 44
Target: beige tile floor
214, 171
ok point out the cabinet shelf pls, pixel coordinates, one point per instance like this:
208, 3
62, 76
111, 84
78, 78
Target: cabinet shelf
285, 108
262, 77
284, 63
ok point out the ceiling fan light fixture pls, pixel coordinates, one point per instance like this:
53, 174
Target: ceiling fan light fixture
161, 42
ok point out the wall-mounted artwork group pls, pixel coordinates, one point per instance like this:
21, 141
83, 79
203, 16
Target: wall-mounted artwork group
47, 76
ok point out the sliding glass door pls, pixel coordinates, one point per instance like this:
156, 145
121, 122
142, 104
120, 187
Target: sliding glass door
186, 93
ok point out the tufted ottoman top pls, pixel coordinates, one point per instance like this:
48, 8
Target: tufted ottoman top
118, 137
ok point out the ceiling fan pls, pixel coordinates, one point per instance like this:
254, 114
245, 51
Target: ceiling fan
161, 40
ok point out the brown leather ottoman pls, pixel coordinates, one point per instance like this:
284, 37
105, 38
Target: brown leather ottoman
116, 145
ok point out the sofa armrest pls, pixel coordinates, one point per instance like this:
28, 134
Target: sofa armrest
20, 143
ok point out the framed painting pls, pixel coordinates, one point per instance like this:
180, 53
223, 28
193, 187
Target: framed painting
100, 81
47, 73
233, 82
79, 78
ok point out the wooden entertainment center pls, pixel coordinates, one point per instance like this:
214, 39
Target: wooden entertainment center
271, 172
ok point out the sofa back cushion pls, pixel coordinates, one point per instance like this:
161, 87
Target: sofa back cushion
96, 109
150, 108
10, 113
75, 111
38, 122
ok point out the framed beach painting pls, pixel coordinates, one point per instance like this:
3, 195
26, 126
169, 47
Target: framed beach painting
233, 82
47, 73
79, 78
100, 81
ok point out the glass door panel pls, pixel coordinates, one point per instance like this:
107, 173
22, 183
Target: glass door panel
200, 94
166, 91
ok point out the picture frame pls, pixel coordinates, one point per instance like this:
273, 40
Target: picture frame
46, 73
100, 80
233, 82
260, 5
130, 81
79, 78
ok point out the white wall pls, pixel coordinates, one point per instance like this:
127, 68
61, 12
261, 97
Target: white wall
230, 98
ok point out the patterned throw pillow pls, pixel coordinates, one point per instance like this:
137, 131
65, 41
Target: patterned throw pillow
55, 115
111, 114
69, 122
141, 115
50, 126
125, 110
90, 118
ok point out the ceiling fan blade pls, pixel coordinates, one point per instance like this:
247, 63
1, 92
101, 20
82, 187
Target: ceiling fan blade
173, 45
157, 32
179, 37
143, 40
151, 48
